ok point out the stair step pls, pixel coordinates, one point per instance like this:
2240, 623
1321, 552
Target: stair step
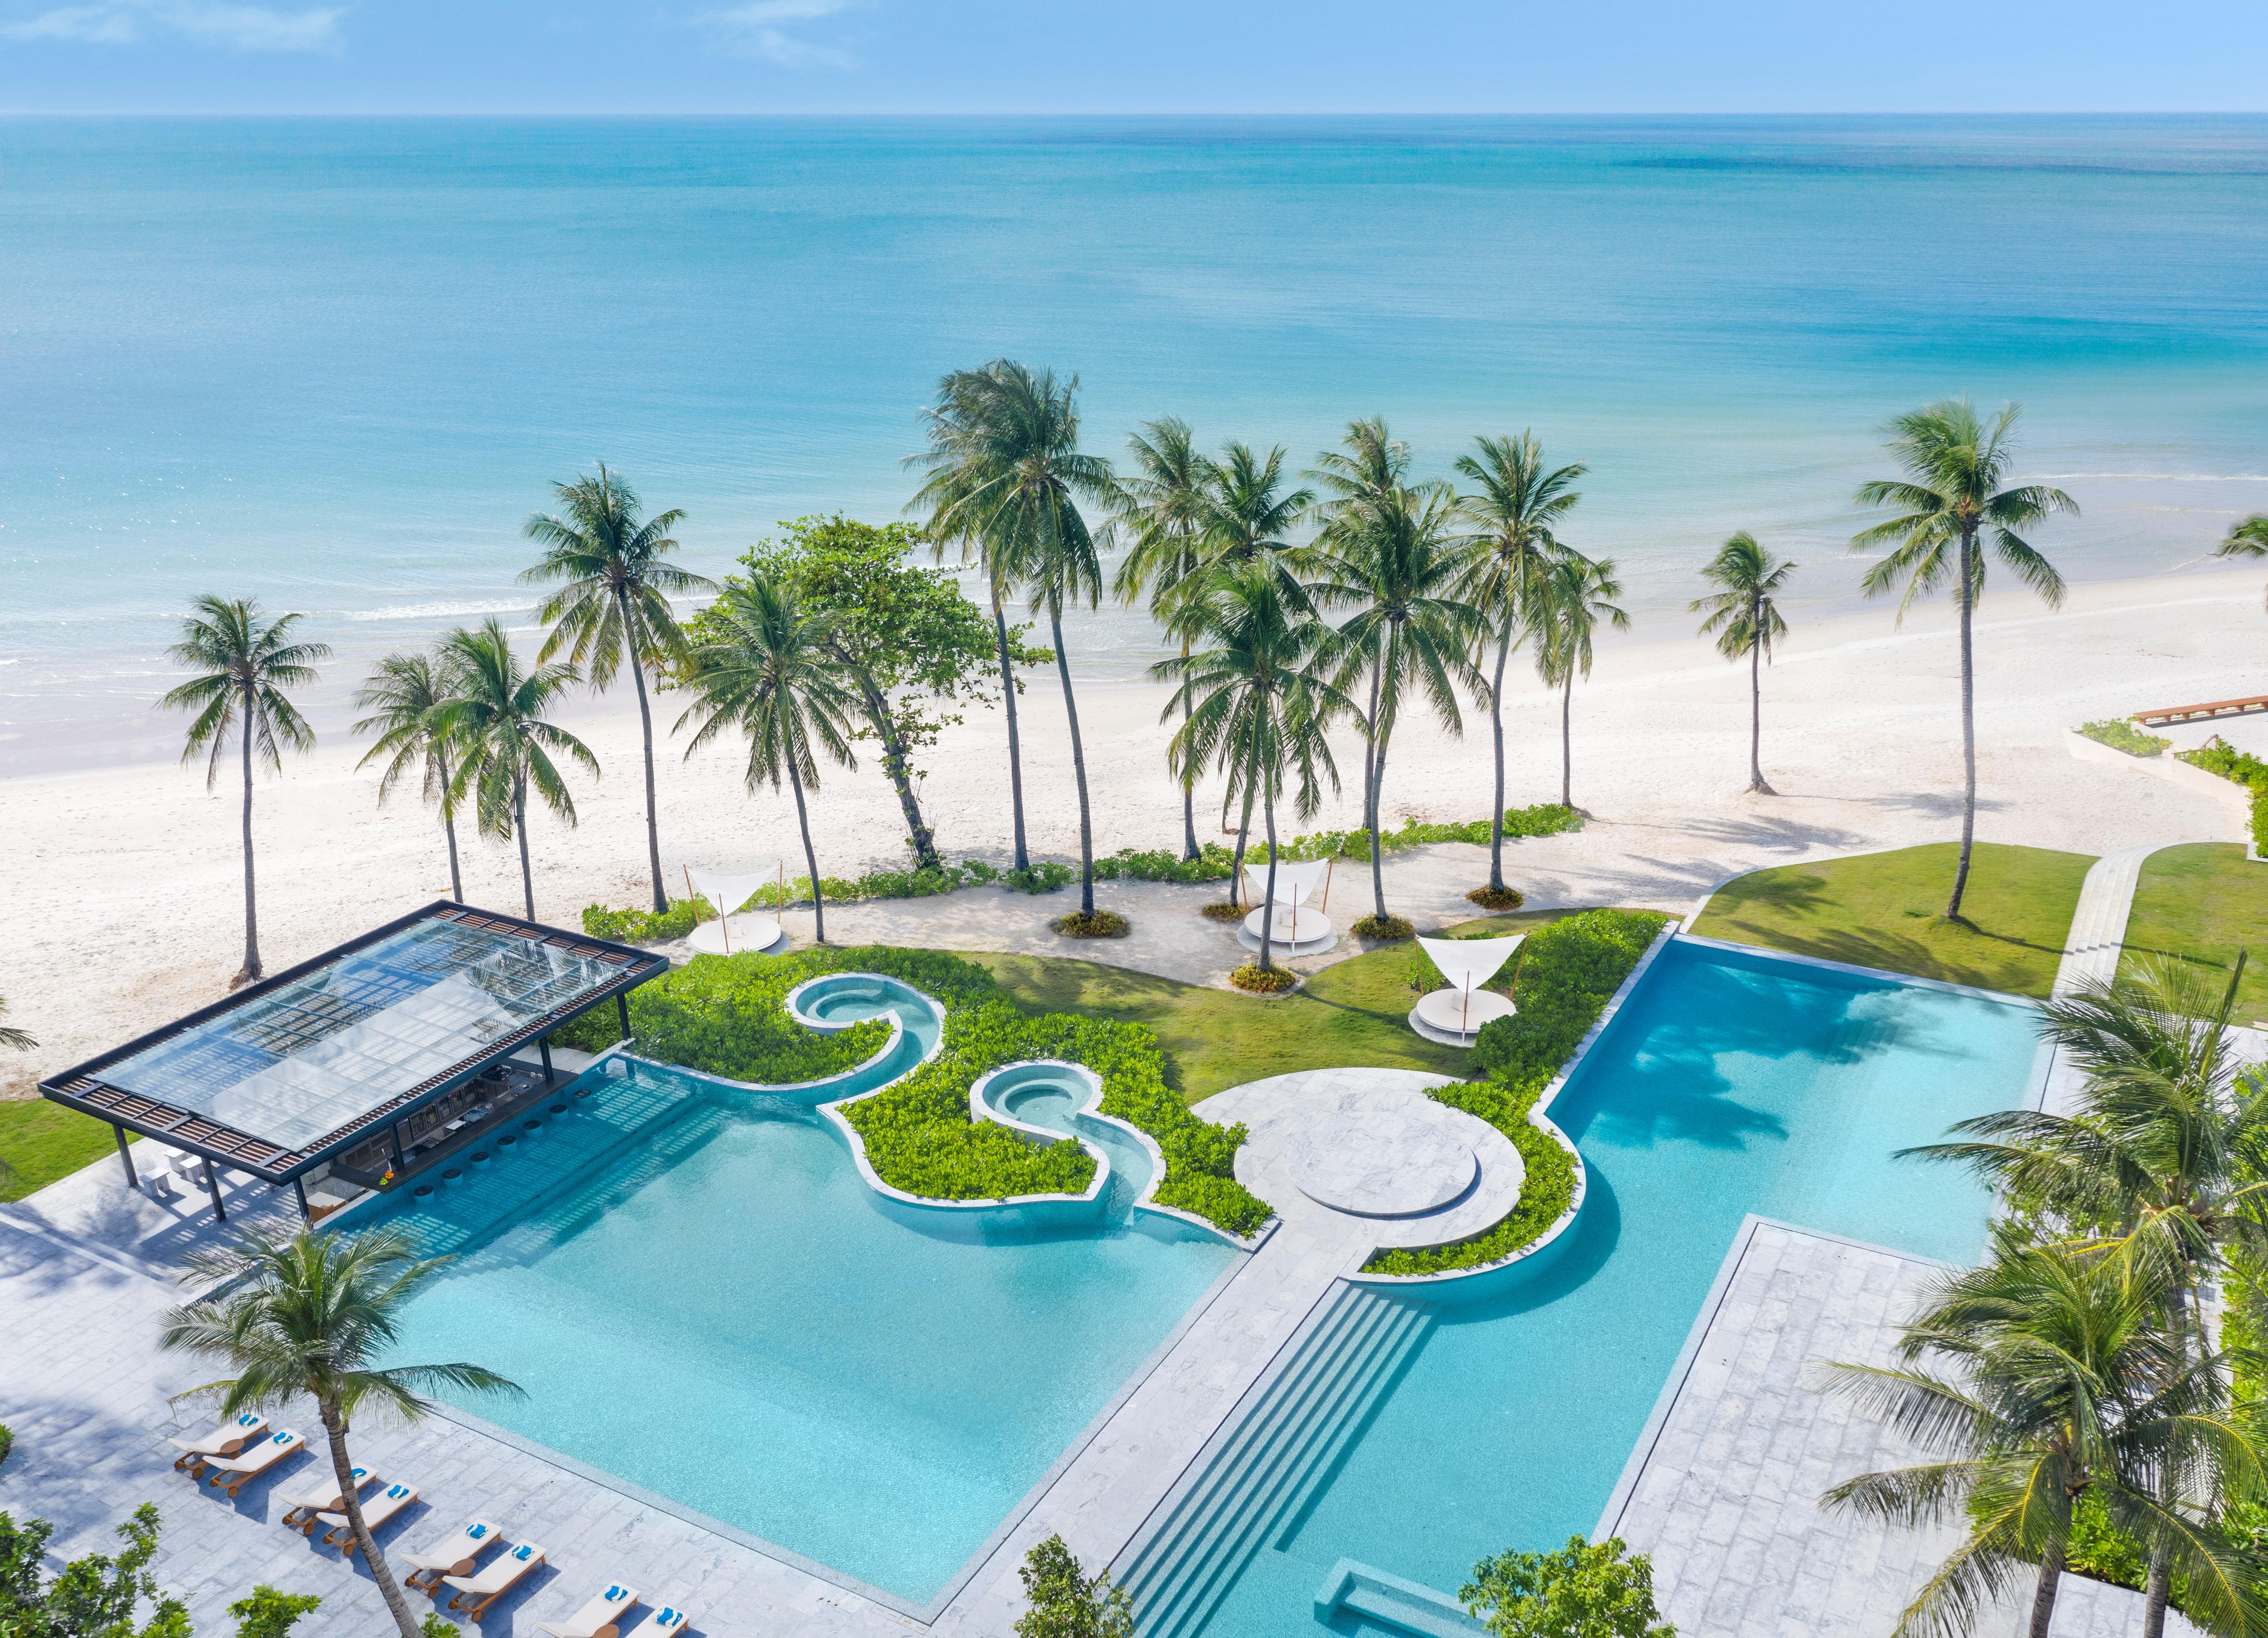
1261, 1480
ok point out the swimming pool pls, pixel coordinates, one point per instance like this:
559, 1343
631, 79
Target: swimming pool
702, 1296
1730, 1082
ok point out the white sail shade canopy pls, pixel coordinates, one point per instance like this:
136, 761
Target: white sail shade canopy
1295, 878
1468, 964
726, 894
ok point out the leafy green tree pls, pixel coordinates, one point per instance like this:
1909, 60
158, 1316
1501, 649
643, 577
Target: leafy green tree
91, 1597
268, 1613
1391, 551
2055, 1383
2247, 539
909, 645
1950, 506
2159, 1163
1159, 509
1586, 1590
770, 672
307, 1315
1005, 479
1068, 1603
1264, 703
405, 697
505, 741
244, 663
1519, 501
613, 601
1743, 615
1575, 594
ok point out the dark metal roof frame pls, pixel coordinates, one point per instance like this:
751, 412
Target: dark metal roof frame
82, 1087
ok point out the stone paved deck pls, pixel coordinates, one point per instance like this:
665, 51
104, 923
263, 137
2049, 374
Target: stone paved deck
1722, 1489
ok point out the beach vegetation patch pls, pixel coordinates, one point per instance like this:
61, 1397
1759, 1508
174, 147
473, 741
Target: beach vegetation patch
2121, 734
1568, 973
2218, 755
1497, 898
1384, 929
1098, 924
1222, 911
1258, 980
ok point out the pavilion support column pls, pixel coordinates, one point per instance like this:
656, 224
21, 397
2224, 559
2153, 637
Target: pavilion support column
306, 1212
401, 1161
212, 1187
543, 1048
125, 1157
622, 1013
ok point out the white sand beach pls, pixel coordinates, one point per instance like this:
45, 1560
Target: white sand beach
127, 884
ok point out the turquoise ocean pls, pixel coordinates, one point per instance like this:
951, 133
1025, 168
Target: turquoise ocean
334, 363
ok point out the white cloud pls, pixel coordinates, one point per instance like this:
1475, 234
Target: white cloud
233, 27
759, 29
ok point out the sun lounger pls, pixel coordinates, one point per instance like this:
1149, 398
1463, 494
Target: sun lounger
601, 1618
665, 1622
323, 1497
226, 1440
231, 1473
454, 1556
492, 1583
380, 1507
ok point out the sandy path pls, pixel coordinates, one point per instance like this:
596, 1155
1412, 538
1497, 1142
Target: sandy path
128, 889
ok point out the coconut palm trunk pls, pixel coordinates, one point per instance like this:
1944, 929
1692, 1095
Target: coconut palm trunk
1189, 849
519, 826
2044, 1596
1015, 749
810, 857
1756, 781
449, 829
334, 1431
646, 730
1568, 740
1078, 772
1373, 775
1268, 909
1495, 727
1968, 719
251, 972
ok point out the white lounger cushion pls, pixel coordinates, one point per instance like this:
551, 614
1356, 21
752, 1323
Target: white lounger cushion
467, 1543
382, 1506
323, 1495
501, 1573
259, 1457
595, 1616
251, 1425
662, 1621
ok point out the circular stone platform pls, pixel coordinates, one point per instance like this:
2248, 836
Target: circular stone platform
1382, 1154
1301, 932
749, 934
1446, 1016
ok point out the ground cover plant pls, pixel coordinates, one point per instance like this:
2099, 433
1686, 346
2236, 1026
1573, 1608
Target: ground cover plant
726, 1015
1568, 971
2120, 734
2218, 755
2202, 903
1881, 910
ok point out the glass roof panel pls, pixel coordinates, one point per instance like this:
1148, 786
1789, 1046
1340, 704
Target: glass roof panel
301, 1061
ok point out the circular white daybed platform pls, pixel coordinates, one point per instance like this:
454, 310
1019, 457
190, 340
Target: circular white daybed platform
1452, 1018
746, 935
1296, 931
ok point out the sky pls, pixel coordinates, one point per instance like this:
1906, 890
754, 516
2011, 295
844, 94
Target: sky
1164, 56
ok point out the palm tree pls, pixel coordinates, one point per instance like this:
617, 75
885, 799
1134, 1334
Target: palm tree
1744, 617
1573, 596
1949, 501
1249, 519
245, 663
16, 1040
1512, 517
772, 673
1005, 479
2247, 539
2061, 1385
1391, 551
309, 1313
497, 721
1161, 508
404, 697
613, 604
1264, 703
2156, 1162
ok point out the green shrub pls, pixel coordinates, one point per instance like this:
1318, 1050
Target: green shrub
96, 1595
2218, 755
2120, 734
726, 1015
643, 926
1568, 973
1586, 1590
1546, 1192
268, 1613
7, 1442
434, 1627
1213, 863
1068, 1603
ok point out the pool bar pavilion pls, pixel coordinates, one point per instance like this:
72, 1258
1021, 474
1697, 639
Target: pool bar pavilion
366, 1065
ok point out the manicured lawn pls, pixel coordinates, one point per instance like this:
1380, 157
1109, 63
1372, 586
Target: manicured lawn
2202, 903
1354, 1012
41, 1142
1883, 910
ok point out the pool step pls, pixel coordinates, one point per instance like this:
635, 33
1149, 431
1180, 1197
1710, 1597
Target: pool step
1256, 1483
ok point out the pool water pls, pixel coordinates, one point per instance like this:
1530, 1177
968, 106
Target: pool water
1052, 1098
1729, 1083
699, 1294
